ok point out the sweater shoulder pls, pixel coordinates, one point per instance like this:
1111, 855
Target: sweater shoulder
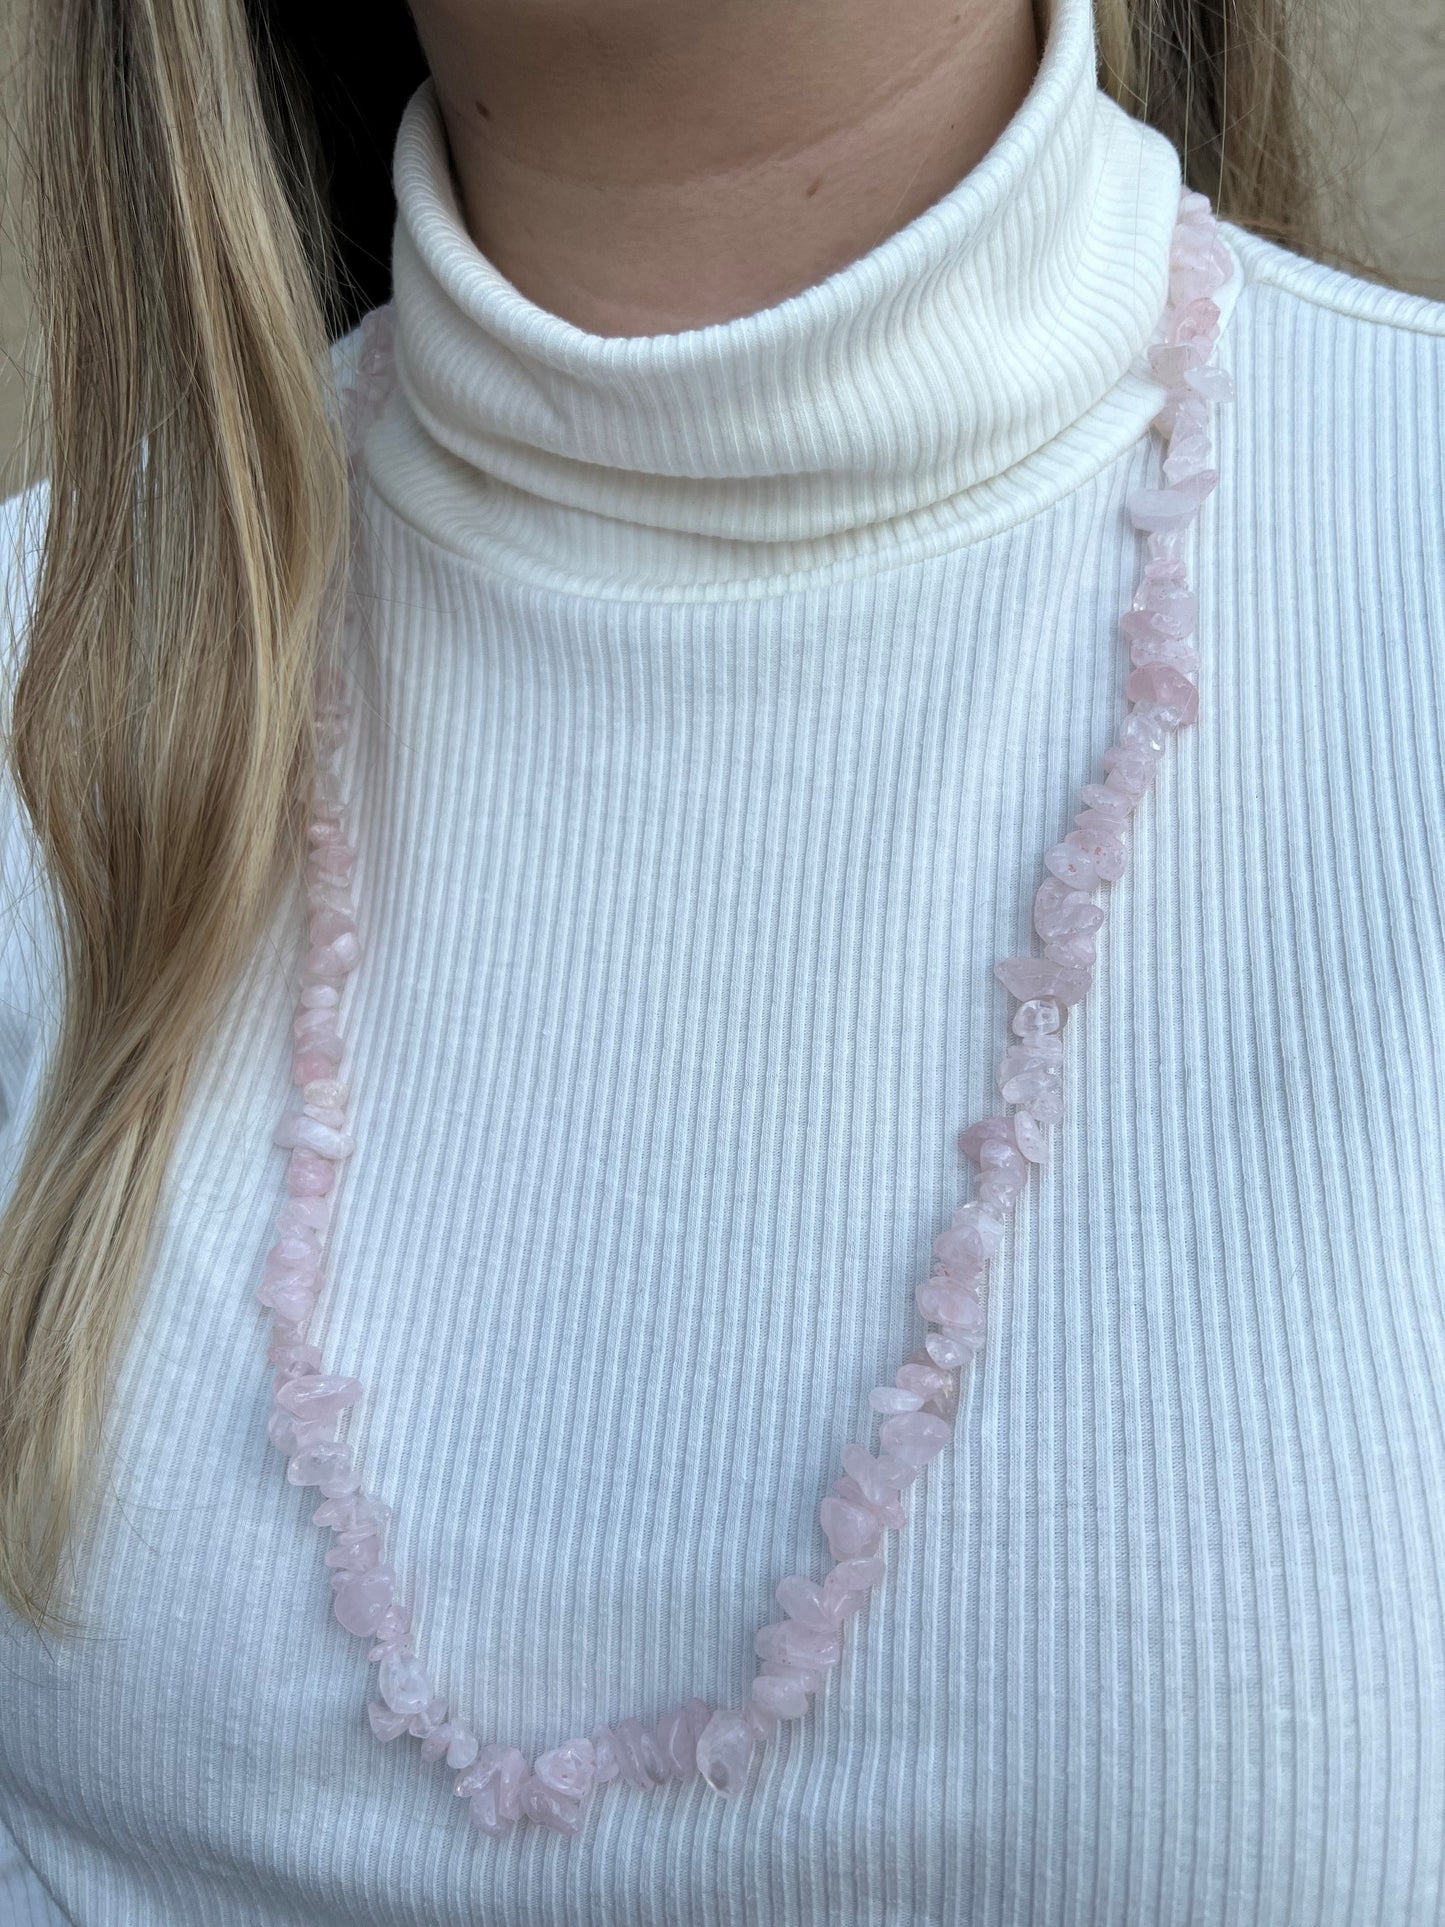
1271, 269
1340, 384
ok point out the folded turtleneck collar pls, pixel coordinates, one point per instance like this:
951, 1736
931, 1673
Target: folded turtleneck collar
974, 365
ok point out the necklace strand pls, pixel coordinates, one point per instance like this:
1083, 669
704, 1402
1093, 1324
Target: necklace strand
798, 1651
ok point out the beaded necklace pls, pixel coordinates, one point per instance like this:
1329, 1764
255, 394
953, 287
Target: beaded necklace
798, 1651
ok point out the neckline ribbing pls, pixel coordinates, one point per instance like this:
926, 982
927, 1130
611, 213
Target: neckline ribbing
977, 363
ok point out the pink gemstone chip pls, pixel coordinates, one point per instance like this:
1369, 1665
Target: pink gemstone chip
1031, 977
724, 1752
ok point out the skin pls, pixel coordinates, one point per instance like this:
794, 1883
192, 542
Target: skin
648, 166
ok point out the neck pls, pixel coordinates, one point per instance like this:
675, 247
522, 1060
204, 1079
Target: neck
644, 167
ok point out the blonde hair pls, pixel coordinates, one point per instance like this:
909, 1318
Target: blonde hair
161, 737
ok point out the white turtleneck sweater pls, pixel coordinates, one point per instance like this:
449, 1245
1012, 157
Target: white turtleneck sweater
721, 692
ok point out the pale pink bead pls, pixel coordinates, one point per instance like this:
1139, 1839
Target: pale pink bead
852, 1531
699, 1712
916, 1437
1086, 858
997, 1159
325, 1093
331, 860
944, 1405
878, 1479
1131, 771
1080, 951
1025, 1069
797, 1645
293, 1293
926, 1380
322, 1041
783, 1698
385, 1724
1178, 655
289, 1437
462, 1748
1060, 909
296, 1298
638, 1757
1196, 320
946, 1351
889, 1398
1098, 796
1172, 507
360, 1603
568, 1769
1211, 384
604, 1755
800, 1599
319, 1395
329, 893
309, 1064
310, 1024
327, 925
887, 1509
1157, 682
761, 1721
676, 1733
725, 1751
1030, 977
309, 1176
392, 1629
846, 1587
1191, 280
293, 1254
492, 1786
550, 1809
1163, 610
1104, 849
1031, 1141
320, 997
944, 1303
988, 1130
304, 1214
333, 959
425, 1722
795, 1673
1171, 361
1000, 1191
353, 1553
319, 1465
1040, 1016
355, 1513
1189, 455
1047, 1106
403, 1683
973, 1236
294, 1361
970, 1325
437, 1743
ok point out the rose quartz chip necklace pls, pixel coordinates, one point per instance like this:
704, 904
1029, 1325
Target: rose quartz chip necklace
797, 1651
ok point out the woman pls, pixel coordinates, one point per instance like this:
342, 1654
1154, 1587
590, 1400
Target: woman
732, 623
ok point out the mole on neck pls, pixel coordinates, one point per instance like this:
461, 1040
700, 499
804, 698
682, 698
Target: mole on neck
649, 166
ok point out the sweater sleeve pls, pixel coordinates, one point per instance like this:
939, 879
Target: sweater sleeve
23, 1901
28, 953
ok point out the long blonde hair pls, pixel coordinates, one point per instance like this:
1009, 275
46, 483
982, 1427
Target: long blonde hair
161, 737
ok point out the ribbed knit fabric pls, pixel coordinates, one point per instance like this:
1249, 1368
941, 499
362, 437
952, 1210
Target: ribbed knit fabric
719, 696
